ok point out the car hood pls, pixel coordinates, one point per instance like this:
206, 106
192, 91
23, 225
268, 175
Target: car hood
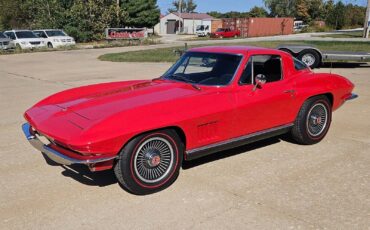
5, 40
85, 106
61, 37
31, 39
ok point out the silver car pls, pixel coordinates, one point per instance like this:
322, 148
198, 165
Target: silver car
5, 42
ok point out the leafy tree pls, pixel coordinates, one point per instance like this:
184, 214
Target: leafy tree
281, 8
335, 17
87, 19
302, 10
187, 6
258, 12
141, 13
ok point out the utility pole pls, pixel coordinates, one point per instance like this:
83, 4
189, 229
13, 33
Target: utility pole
366, 24
180, 12
118, 1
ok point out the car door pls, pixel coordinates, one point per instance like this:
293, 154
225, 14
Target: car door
268, 106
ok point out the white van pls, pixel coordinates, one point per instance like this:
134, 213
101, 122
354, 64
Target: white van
55, 38
203, 30
25, 39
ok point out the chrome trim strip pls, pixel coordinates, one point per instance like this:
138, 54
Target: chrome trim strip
352, 97
53, 154
237, 139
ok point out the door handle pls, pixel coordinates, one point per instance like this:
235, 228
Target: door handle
291, 91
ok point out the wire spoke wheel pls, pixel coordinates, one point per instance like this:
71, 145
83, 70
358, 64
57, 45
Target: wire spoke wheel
153, 160
317, 119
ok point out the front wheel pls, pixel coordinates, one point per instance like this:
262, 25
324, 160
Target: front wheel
150, 162
313, 121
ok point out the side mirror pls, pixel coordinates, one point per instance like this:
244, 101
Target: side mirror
259, 81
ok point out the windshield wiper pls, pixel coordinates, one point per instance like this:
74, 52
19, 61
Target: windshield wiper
181, 78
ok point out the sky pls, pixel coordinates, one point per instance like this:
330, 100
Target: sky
229, 5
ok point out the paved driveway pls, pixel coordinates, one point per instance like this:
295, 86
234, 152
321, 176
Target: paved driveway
272, 184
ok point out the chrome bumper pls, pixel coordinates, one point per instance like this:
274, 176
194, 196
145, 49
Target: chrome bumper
53, 154
352, 97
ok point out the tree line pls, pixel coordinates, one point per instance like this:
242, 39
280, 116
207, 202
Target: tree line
83, 19
336, 15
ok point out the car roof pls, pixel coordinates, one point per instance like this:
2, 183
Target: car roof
17, 30
47, 29
233, 49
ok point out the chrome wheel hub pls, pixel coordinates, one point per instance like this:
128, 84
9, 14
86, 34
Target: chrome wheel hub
317, 120
308, 59
153, 160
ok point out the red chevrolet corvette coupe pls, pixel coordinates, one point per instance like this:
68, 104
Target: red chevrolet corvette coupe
211, 99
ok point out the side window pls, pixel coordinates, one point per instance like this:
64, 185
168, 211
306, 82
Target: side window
246, 78
11, 35
268, 65
298, 65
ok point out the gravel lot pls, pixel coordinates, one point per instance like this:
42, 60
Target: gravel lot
272, 184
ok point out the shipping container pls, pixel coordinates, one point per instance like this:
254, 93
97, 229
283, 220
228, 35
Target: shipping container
258, 27
216, 24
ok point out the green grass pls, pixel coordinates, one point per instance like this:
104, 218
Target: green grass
168, 54
357, 34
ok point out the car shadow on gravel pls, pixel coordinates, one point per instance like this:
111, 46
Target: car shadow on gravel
231, 152
82, 174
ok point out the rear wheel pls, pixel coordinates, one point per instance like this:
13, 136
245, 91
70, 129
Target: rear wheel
313, 121
310, 57
150, 162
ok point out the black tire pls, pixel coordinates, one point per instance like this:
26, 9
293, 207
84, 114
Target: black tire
310, 57
50, 46
311, 125
140, 171
18, 47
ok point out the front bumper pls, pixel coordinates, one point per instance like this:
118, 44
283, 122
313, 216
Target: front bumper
352, 96
55, 155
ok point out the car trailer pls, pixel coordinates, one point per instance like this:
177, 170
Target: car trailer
313, 57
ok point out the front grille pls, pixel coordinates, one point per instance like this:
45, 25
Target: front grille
5, 43
35, 43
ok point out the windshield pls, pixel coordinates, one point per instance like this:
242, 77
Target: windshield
25, 34
2, 35
204, 68
220, 30
55, 33
200, 27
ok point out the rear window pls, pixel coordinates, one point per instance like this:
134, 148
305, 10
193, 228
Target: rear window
298, 65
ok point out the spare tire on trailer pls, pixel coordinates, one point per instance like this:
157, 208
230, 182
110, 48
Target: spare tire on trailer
310, 57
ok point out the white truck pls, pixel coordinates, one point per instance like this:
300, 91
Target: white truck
203, 30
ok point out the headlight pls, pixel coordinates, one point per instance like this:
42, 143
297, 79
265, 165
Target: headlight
56, 40
23, 43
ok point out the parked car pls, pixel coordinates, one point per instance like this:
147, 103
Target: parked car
25, 39
55, 38
211, 99
226, 33
203, 30
5, 42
